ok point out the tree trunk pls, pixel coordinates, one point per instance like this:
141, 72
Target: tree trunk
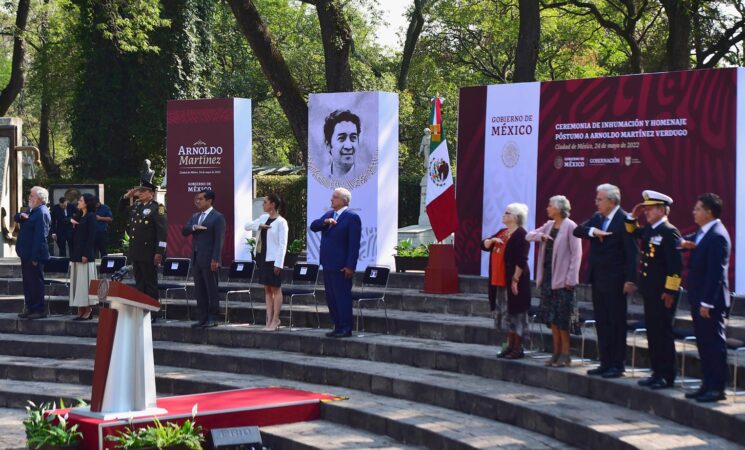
526, 56
416, 23
276, 71
18, 66
635, 59
678, 48
337, 45
47, 161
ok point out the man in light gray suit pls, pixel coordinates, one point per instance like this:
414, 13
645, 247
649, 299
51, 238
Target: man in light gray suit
207, 228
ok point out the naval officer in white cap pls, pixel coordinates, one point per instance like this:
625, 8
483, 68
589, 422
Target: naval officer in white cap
658, 282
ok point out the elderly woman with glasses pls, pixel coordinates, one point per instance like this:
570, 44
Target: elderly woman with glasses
513, 279
557, 273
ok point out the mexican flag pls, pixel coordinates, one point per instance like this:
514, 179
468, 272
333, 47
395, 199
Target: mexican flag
440, 188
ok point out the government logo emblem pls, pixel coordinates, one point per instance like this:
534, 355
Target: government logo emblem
510, 154
439, 169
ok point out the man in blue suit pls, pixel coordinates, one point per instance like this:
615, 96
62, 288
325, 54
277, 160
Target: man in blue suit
708, 294
340, 248
207, 230
33, 250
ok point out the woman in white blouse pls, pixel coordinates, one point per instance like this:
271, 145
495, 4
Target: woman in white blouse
271, 246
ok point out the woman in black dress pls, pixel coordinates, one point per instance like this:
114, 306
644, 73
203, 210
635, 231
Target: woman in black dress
82, 256
271, 247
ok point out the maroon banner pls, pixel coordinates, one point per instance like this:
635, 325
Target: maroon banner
469, 180
200, 148
671, 132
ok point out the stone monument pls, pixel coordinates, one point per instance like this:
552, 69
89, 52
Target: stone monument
421, 233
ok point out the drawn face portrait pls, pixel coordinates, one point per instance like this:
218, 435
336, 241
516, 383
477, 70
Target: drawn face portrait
343, 147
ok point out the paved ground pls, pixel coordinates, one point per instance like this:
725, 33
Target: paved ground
11, 429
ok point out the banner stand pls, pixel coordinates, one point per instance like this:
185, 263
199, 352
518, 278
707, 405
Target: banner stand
441, 274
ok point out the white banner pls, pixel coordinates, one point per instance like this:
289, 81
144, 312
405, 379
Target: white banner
353, 143
511, 155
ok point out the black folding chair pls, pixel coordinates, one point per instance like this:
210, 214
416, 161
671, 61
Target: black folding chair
58, 267
110, 264
304, 281
243, 271
374, 285
177, 268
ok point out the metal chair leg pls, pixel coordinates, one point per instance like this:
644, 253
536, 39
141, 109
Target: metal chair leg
633, 352
385, 312
227, 300
290, 312
318, 316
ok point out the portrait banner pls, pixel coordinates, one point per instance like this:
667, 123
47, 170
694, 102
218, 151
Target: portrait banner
209, 147
353, 143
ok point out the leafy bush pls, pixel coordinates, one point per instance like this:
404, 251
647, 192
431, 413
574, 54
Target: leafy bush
161, 435
408, 250
295, 246
44, 427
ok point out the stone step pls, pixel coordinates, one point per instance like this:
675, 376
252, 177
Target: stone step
361, 416
459, 358
321, 434
574, 420
12, 436
447, 327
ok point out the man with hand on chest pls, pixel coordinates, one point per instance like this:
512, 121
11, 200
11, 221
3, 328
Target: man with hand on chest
659, 283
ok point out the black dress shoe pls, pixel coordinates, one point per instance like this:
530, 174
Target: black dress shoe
36, 315
695, 394
23, 315
331, 333
342, 335
210, 324
649, 381
613, 373
199, 324
597, 371
711, 396
661, 383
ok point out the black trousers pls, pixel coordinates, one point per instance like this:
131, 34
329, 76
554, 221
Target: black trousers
609, 304
101, 243
146, 277
712, 348
33, 285
659, 324
205, 290
63, 244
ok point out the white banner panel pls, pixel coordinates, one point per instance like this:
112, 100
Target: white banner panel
353, 143
242, 176
740, 182
510, 155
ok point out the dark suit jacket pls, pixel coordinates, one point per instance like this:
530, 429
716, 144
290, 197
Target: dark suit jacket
340, 243
84, 238
612, 260
206, 244
708, 269
60, 222
32, 239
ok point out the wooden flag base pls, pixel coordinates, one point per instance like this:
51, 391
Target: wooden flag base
441, 275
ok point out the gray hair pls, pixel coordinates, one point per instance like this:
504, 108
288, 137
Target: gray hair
562, 204
345, 194
611, 191
42, 193
520, 211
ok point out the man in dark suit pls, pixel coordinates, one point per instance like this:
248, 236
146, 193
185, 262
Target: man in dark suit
708, 294
61, 226
341, 230
612, 267
147, 236
33, 250
207, 230
659, 283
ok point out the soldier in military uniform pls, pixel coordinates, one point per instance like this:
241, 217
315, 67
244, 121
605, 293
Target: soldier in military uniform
147, 235
659, 283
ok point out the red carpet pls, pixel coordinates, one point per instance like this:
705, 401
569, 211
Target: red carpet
241, 407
